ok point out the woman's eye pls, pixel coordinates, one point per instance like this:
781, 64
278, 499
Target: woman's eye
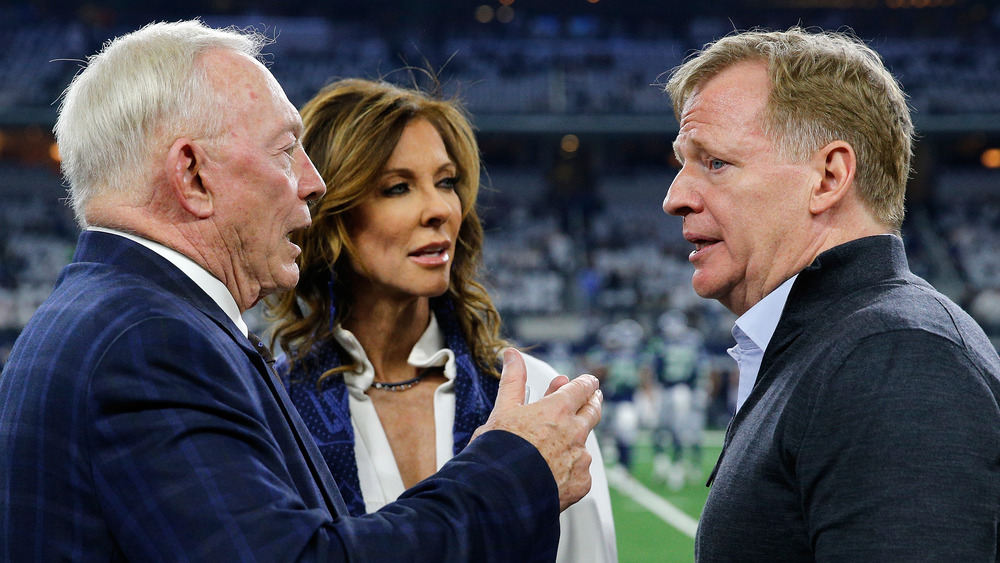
450, 183
396, 189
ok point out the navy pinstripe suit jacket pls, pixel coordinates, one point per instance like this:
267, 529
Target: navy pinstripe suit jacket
137, 423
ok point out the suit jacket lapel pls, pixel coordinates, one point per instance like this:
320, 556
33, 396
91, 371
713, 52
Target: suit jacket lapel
314, 460
119, 251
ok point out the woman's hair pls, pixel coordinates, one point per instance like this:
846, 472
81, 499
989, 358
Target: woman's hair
106, 133
351, 129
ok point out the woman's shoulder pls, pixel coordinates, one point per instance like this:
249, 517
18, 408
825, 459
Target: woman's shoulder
540, 374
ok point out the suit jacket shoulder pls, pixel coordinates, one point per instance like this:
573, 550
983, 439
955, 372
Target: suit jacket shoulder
136, 387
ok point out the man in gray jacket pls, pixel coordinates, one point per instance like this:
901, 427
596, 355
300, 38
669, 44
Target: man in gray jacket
867, 426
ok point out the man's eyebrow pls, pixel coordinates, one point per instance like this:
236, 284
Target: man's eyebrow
295, 127
699, 147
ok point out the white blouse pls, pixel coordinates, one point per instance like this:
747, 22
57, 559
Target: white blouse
587, 528
378, 472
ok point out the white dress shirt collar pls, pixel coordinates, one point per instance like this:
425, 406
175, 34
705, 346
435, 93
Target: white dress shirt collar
200, 276
753, 331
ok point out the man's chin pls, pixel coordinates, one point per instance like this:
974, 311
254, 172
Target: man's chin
286, 280
712, 289
280, 284
279, 289
705, 288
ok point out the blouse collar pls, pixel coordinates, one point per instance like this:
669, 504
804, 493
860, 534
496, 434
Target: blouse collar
428, 351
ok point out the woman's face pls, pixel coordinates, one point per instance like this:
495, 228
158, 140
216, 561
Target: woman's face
405, 232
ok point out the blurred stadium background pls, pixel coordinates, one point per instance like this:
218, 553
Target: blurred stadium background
575, 135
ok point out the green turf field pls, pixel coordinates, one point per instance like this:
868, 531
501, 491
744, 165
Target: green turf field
642, 535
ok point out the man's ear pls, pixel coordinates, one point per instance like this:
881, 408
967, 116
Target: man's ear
837, 164
184, 162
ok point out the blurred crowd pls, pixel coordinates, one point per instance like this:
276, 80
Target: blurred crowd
551, 60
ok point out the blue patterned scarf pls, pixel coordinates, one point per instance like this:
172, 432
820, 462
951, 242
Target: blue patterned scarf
326, 412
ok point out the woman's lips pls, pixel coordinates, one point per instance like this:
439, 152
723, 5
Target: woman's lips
431, 255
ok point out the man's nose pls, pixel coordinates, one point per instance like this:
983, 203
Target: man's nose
311, 184
682, 196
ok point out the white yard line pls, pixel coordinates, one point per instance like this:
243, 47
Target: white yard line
630, 487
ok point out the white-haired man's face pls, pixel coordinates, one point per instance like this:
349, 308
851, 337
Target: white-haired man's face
261, 179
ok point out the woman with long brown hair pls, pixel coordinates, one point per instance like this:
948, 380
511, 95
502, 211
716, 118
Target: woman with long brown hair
392, 346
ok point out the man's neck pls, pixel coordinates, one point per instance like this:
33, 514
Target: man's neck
199, 275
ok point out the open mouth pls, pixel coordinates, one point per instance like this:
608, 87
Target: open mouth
288, 238
701, 245
431, 250
431, 254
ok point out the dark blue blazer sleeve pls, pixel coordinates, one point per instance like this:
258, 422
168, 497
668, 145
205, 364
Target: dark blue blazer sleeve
444, 517
188, 467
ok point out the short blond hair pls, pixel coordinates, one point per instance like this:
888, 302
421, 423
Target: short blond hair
825, 86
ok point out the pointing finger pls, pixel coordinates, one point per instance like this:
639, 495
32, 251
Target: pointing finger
513, 378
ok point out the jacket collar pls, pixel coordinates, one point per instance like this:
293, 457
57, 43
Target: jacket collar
818, 296
842, 270
113, 250
116, 251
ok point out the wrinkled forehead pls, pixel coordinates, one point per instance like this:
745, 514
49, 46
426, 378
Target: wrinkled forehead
706, 72
247, 88
739, 92
725, 112
242, 78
